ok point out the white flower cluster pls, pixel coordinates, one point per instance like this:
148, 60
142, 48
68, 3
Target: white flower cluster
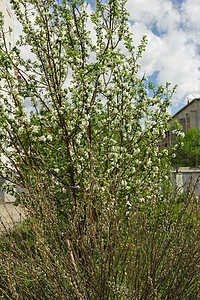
178, 133
35, 129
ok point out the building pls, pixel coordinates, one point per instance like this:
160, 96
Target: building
188, 117
8, 23
9, 38
187, 178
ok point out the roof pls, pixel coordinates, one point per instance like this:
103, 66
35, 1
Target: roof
183, 108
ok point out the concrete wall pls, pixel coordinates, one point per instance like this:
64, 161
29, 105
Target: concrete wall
188, 117
186, 176
8, 25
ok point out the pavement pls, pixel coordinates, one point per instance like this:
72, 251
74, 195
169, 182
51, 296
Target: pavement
10, 215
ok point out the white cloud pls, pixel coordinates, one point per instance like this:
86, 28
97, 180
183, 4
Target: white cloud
191, 12
154, 12
174, 40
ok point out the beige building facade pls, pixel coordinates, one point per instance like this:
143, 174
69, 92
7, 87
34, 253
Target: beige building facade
9, 37
188, 117
8, 23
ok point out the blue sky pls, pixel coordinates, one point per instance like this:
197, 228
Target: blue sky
172, 55
173, 52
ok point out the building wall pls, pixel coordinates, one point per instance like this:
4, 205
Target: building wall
188, 117
186, 179
9, 35
9, 23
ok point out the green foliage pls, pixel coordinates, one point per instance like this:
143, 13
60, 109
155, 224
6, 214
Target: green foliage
86, 128
155, 254
188, 154
102, 216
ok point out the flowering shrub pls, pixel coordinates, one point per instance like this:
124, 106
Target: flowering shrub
187, 154
102, 219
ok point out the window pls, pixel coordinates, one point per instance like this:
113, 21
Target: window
19, 86
188, 121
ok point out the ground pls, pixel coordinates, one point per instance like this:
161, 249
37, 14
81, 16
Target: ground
10, 215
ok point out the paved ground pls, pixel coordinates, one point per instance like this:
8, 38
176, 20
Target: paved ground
9, 215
